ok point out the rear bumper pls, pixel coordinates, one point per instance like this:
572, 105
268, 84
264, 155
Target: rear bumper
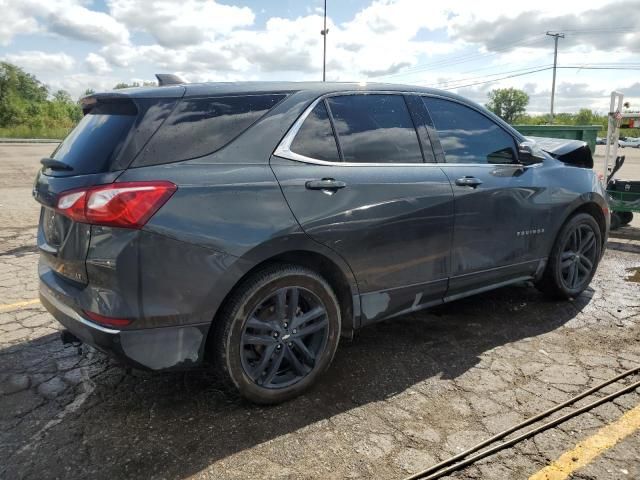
161, 348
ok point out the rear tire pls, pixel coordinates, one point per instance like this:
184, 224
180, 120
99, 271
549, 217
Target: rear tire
277, 333
573, 259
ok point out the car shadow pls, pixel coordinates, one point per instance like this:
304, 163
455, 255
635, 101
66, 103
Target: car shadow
121, 424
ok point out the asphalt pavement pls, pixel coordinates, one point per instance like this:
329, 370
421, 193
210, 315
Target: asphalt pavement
404, 394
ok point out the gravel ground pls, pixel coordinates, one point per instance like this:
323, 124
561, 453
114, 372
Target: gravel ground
401, 396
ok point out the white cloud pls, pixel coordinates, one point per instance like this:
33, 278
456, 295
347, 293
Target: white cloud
68, 18
78, 22
176, 24
408, 41
603, 27
14, 22
97, 64
38, 62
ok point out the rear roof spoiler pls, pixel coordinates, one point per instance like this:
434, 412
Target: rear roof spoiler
165, 79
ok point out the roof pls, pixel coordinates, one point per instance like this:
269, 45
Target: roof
313, 89
229, 88
319, 87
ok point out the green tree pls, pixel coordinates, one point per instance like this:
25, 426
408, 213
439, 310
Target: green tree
134, 84
27, 109
508, 103
586, 117
121, 85
62, 96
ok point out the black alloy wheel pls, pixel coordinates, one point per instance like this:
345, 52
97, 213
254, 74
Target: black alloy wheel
277, 333
573, 259
283, 337
579, 256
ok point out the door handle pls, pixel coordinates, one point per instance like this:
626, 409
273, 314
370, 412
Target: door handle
472, 182
325, 184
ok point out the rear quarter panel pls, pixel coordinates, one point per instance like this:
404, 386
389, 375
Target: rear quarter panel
223, 220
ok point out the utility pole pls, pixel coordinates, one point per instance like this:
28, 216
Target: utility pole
555, 36
324, 32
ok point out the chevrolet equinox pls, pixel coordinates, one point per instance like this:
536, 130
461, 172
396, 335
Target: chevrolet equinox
254, 224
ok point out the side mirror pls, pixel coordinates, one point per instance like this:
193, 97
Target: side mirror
529, 153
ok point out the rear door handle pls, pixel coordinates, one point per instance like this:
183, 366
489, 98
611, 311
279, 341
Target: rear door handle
325, 184
472, 182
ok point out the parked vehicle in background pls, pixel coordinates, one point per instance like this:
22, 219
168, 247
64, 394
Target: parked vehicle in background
254, 224
601, 141
629, 142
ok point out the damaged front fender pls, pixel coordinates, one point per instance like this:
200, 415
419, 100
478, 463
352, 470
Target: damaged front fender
571, 152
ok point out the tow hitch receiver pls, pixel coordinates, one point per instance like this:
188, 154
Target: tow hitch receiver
69, 338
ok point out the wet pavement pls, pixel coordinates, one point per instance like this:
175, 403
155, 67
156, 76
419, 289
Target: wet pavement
404, 394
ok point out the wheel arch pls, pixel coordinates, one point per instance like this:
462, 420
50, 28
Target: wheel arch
596, 212
592, 204
335, 271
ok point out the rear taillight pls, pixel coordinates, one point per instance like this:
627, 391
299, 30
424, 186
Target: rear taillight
126, 204
107, 321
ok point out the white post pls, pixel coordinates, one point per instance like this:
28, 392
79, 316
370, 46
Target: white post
613, 131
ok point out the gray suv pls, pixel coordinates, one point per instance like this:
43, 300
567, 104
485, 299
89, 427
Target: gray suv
254, 224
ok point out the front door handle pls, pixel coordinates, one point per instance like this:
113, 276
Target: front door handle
330, 184
472, 182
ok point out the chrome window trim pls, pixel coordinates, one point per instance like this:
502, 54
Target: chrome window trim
283, 150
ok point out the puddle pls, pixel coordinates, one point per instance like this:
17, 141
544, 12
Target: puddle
634, 275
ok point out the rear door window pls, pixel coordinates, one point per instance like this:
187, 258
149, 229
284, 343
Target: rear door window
97, 140
375, 128
200, 126
467, 136
315, 138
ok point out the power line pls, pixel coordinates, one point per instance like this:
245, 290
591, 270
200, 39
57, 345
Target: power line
498, 79
484, 76
469, 57
536, 71
637, 67
580, 31
612, 66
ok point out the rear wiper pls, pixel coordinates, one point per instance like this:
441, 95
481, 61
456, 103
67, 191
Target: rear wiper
54, 164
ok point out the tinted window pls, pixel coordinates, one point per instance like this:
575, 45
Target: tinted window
315, 138
199, 126
96, 141
375, 129
467, 136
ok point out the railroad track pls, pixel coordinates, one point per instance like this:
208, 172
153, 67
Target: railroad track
478, 452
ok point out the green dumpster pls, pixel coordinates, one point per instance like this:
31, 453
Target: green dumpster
586, 133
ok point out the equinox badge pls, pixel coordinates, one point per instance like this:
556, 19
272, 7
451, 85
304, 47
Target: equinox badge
535, 231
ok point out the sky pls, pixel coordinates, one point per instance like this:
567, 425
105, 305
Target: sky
468, 46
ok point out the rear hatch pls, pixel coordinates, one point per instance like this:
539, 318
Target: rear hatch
114, 129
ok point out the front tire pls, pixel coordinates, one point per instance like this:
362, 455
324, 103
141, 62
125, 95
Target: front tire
625, 217
277, 333
574, 258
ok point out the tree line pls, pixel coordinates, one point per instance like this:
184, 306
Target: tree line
510, 104
28, 109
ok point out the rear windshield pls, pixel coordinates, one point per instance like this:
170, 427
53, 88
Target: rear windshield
200, 126
95, 143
